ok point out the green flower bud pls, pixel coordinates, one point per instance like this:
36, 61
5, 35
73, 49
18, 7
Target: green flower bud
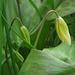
25, 33
62, 30
14, 45
19, 56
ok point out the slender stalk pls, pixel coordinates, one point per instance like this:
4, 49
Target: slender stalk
16, 18
19, 11
8, 40
6, 54
39, 13
38, 35
10, 48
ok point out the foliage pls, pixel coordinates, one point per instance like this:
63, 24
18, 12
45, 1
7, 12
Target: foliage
51, 56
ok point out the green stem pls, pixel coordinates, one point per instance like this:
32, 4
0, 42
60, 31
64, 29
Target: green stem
39, 13
6, 54
8, 40
15, 31
10, 48
38, 35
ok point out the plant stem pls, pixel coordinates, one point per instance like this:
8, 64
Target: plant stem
19, 11
10, 48
14, 20
39, 13
8, 39
39, 32
6, 54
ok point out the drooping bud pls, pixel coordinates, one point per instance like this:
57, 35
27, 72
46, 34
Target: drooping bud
14, 45
25, 33
62, 30
19, 56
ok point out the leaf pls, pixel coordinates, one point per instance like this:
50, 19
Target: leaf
51, 61
28, 11
72, 29
43, 35
35, 21
51, 2
0, 42
5, 70
57, 3
64, 52
1, 34
65, 8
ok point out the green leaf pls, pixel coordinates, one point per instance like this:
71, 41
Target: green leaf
35, 21
64, 52
57, 3
51, 2
1, 34
65, 8
33, 4
51, 61
72, 30
28, 11
43, 35
0, 42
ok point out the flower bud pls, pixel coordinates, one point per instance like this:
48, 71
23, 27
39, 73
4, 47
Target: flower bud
14, 45
19, 56
62, 30
25, 33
